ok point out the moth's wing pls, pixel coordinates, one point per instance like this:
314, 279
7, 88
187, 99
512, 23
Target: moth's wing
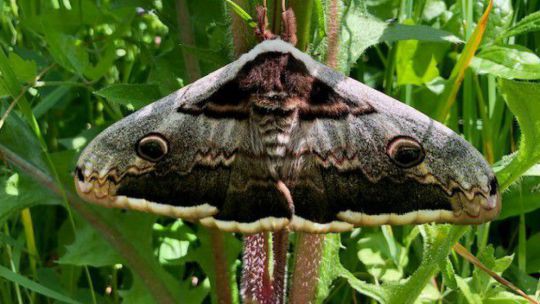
348, 179
206, 172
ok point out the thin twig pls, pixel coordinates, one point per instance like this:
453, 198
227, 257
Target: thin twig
137, 263
22, 92
476, 262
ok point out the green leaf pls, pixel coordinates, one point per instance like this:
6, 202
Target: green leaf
449, 274
438, 240
331, 269
523, 99
131, 95
83, 250
521, 198
16, 136
19, 191
458, 71
26, 70
241, 13
529, 23
51, 99
472, 298
374, 253
510, 62
67, 51
500, 17
359, 31
415, 63
36, 287
533, 254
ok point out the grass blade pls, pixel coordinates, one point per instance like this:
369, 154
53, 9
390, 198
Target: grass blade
27, 283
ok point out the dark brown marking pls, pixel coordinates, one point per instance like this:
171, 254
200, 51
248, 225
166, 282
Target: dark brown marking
276, 84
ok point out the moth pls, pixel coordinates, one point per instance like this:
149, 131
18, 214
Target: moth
276, 140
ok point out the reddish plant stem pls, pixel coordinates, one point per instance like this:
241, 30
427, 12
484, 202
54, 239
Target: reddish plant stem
333, 33
256, 284
185, 35
306, 267
310, 246
223, 290
280, 248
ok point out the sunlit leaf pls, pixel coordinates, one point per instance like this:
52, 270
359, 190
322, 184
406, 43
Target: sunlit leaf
359, 31
510, 62
523, 99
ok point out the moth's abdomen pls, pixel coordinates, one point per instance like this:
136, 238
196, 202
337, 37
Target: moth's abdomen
273, 126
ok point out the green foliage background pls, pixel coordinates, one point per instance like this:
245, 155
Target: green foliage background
73, 67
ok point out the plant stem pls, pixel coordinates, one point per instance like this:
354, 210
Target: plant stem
310, 246
333, 33
220, 261
280, 248
185, 35
306, 267
255, 286
185, 32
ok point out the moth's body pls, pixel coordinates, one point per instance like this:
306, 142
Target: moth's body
277, 140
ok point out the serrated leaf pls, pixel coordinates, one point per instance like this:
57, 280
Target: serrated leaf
510, 62
131, 95
331, 269
83, 250
523, 99
529, 23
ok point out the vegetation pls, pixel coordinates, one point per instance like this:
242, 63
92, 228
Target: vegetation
70, 68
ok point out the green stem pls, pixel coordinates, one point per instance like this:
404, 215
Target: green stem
435, 252
155, 286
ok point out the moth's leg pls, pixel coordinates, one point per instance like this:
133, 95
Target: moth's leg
254, 202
